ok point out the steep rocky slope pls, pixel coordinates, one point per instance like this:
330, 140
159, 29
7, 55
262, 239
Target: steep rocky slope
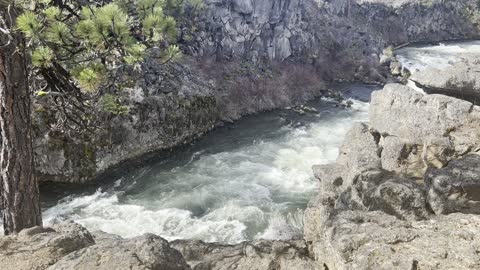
342, 37
403, 193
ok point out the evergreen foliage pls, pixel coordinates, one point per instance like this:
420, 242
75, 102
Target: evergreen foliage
87, 44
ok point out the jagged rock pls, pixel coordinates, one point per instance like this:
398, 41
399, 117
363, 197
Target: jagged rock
37, 248
387, 56
396, 68
410, 159
318, 30
257, 255
455, 188
379, 218
323, 203
370, 191
374, 240
421, 131
329, 173
381, 190
144, 252
359, 152
394, 195
400, 111
394, 150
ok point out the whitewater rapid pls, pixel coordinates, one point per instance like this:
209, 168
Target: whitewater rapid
418, 58
249, 182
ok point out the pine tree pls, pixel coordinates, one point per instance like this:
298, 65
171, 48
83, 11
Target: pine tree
19, 195
77, 49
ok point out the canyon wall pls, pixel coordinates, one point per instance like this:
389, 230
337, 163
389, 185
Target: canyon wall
243, 57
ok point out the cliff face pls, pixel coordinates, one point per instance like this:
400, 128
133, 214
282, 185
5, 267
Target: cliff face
169, 106
267, 54
342, 35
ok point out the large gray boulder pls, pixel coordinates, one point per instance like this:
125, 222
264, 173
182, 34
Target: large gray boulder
400, 111
455, 188
374, 240
420, 131
146, 252
359, 151
70, 246
257, 255
461, 79
38, 248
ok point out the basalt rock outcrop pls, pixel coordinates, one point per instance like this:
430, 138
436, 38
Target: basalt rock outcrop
168, 106
455, 188
403, 193
38, 248
70, 246
257, 255
420, 131
346, 35
375, 240
143, 252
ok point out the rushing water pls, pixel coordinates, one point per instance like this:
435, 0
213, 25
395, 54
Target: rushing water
247, 182
417, 58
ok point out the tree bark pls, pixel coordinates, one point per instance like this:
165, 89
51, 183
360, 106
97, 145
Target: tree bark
19, 191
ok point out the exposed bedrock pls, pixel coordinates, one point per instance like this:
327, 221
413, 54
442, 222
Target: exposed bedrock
70, 246
256, 255
455, 188
348, 36
168, 106
383, 203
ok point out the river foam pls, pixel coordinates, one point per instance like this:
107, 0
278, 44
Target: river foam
418, 58
243, 184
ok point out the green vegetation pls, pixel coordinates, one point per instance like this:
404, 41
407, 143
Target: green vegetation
81, 48
83, 53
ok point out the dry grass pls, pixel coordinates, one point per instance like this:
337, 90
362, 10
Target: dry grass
246, 88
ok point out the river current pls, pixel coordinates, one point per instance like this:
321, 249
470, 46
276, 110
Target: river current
247, 181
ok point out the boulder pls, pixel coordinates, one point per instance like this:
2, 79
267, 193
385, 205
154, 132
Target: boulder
412, 160
461, 79
257, 255
375, 240
317, 214
243, 6
400, 111
359, 152
38, 248
144, 252
420, 131
387, 192
329, 174
455, 188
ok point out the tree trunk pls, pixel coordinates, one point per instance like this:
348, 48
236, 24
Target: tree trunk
18, 187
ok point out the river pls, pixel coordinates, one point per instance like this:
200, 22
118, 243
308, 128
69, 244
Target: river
418, 57
247, 181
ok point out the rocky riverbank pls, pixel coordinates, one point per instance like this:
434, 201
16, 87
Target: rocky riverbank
244, 57
403, 194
